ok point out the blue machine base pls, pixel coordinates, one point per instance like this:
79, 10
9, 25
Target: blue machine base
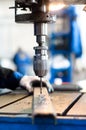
25, 123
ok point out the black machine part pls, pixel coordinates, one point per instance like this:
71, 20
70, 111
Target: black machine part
67, 87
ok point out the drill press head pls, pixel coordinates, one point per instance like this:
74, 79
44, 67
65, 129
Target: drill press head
40, 16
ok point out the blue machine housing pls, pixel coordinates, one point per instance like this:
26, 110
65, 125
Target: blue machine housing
70, 44
22, 62
25, 123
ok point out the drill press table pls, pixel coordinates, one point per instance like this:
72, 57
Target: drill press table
16, 111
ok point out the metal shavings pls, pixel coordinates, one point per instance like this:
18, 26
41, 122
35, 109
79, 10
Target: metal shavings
42, 99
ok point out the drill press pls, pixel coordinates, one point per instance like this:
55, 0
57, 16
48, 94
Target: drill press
40, 16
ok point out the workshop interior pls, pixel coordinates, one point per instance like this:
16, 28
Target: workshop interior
47, 39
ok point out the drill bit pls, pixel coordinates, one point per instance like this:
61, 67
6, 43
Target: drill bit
40, 85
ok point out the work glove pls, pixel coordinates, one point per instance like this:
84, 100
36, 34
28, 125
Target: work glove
28, 82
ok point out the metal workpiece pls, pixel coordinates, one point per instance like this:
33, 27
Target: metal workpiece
40, 64
42, 108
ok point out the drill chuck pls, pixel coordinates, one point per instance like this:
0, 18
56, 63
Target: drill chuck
40, 64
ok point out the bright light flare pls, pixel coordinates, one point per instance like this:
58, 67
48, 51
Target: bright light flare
56, 7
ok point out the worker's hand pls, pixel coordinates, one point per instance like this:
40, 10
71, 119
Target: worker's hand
28, 82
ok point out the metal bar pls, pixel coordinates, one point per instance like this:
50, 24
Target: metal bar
42, 107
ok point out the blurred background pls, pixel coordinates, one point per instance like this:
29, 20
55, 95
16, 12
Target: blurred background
66, 42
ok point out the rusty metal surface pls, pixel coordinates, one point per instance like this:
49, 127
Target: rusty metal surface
79, 109
22, 106
62, 100
11, 97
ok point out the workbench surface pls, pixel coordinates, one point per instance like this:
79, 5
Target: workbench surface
67, 104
